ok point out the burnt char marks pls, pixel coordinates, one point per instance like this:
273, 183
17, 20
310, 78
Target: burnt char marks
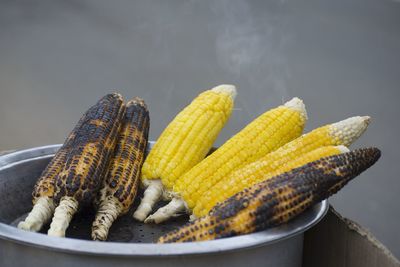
92, 145
230, 208
221, 229
277, 200
45, 186
264, 212
121, 181
192, 231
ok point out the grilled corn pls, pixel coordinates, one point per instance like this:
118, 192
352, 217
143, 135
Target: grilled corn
80, 178
43, 192
120, 186
43, 203
277, 200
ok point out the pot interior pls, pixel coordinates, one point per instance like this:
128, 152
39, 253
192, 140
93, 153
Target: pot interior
16, 185
20, 170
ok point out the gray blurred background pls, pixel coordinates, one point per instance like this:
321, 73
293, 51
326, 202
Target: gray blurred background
342, 57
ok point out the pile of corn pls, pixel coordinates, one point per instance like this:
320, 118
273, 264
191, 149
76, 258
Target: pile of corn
263, 176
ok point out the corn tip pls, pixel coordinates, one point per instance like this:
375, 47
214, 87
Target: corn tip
226, 89
117, 95
350, 129
356, 121
343, 149
367, 119
136, 101
298, 105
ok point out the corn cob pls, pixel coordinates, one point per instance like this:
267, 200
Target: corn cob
42, 195
277, 200
81, 176
341, 133
43, 204
266, 133
227, 188
120, 185
184, 143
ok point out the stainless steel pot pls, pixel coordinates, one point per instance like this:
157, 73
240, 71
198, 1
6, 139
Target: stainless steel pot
280, 246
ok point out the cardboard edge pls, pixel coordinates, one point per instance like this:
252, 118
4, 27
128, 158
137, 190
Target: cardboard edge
338, 241
353, 226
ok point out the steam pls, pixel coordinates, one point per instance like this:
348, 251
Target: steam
254, 48
238, 41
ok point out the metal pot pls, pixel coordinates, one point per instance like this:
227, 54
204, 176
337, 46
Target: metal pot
131, 242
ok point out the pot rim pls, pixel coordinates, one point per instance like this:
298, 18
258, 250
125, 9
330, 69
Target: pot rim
76, 246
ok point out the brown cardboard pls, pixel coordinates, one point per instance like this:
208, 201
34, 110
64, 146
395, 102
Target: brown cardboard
340, 242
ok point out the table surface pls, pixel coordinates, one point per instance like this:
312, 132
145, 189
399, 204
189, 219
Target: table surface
341, 57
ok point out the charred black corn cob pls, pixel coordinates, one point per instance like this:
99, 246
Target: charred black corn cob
43, 204
121, 183
85, 164
43, 192
276, 200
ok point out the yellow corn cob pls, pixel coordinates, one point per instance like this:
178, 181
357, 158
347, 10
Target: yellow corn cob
276, 200
341, 133
43, 192
230, 186
184, 143
81, 176
266, 133
120, 185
